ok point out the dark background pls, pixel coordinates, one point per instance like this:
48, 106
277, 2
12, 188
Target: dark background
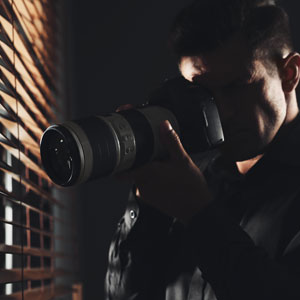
116, 53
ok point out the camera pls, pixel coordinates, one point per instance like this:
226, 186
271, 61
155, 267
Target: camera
81, 150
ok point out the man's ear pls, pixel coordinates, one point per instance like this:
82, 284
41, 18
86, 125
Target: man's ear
290, 72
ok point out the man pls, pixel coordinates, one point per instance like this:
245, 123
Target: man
231, 230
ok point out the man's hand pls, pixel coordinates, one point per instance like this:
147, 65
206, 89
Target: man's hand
175, 186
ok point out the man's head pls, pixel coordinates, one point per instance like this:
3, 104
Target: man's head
241, 51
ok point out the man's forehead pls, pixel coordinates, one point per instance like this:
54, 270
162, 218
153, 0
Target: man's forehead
210, 74
230, 60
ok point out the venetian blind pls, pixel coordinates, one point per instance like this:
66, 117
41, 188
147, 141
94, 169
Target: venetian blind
29, 212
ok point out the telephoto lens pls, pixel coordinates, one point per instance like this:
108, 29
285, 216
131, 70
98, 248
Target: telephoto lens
98, 146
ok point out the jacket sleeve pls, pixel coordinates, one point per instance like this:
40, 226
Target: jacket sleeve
237, 269
138, 254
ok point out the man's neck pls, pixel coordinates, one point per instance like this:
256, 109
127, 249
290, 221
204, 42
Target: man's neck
245, 166
292, 113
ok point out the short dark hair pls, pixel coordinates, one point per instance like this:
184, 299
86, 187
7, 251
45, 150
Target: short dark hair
205, 25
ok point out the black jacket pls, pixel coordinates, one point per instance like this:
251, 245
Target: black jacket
245, 246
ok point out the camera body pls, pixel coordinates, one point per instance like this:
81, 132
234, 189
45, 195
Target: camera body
81, 150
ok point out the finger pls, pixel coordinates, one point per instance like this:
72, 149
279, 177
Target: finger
171, 141
124, 107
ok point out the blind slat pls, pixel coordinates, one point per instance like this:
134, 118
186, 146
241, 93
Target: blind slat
16, 62
34, 35
21, 95
32, 251
29, 184
26, 160
17, 86
43, 232
19, 132
8, 103
27, 62
38, 233
19, 225
11, 197
23, 39
15, 275
46, 293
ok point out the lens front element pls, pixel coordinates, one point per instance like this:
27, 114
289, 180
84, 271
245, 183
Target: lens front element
60, 155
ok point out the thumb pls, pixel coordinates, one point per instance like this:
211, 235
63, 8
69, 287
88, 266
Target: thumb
171, 141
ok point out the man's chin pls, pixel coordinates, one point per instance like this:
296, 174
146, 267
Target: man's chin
240, 152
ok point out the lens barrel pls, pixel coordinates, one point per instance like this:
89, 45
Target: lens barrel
99, 146
78, 151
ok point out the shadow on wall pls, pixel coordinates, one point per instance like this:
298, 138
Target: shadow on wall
117, 55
